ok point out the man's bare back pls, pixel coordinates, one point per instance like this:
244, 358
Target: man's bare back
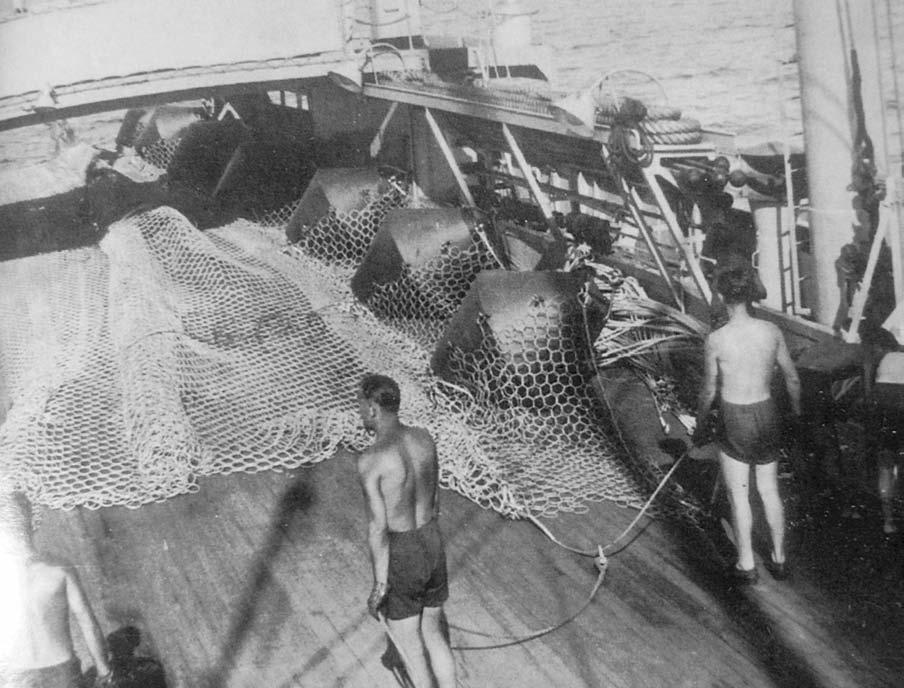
746, 351
404, 468
739, 365
399, 473
43, 609
37, 598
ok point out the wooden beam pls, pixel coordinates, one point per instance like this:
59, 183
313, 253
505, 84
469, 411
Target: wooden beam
462, 186
602, 204
852, 336
526, 170
671, 221
377, 142
145, 90
540, 197
450, 158
632, 203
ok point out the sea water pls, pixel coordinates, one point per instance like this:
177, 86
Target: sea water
728, 63
731, 64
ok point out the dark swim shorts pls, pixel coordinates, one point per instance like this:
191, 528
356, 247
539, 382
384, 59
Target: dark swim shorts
751, 432
417, 572
65, 675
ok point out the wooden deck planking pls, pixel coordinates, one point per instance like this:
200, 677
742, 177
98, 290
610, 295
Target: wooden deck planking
652, 601
274, 596
262, 580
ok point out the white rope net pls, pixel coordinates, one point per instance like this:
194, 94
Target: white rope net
166, 354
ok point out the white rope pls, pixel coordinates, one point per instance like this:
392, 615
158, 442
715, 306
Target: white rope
505, 641
602, 565
610, 548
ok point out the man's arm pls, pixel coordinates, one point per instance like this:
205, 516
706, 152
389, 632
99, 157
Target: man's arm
81, 609
792, 381
377, 533
435, 462
710, 379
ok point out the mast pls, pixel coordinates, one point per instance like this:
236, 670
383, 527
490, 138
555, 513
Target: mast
828, 139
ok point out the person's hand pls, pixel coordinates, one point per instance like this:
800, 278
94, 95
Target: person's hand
377, 598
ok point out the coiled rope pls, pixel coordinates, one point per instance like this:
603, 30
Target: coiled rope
672, 132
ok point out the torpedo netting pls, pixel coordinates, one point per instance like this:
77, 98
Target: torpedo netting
520, 441
160, 153
422, 299
164, 355
532, 405
528, 404
167, 354
342, 239
519, 427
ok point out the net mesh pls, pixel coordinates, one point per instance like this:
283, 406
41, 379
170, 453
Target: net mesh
160, 153
166, 354
423, 299
342, 239
531, 404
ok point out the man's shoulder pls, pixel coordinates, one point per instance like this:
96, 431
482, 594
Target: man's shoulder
756, 327
375, 458
769, 328
715, 338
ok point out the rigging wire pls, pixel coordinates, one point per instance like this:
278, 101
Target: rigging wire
880, 82
899, 105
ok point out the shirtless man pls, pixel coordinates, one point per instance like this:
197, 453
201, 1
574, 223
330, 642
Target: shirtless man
38, 597
740, 360
400, 476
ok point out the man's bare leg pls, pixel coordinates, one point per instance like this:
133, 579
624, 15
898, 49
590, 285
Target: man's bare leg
737, 481
406, 633
437, 643
767, 486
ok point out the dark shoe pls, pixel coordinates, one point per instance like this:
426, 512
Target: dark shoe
779, 572
743, 576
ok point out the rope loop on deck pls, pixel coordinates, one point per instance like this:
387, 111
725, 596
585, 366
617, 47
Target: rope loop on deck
611, 547
602, 563
509, 642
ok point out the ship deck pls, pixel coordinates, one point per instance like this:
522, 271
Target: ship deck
262, 580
